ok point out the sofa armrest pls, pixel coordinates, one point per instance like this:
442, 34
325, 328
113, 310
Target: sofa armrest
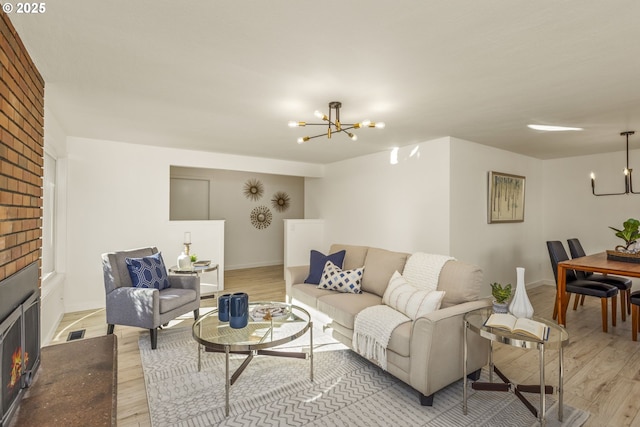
437, 344
294, 275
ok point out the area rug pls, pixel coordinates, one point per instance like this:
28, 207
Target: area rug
347, 391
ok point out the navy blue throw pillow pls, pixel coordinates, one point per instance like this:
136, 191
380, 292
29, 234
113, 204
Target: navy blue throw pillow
148, 272
318, 260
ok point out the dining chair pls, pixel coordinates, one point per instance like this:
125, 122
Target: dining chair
622, 283
604, 291
635, 314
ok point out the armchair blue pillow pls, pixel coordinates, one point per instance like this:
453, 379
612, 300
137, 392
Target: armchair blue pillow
148, 272
318, 260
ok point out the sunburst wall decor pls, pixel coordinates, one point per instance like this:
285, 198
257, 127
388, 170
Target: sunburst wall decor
280, 201
261, 217
253, 189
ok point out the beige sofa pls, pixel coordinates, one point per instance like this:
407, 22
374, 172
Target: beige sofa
426, 353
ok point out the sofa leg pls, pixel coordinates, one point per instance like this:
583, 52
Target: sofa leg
426, 400
154, 338
475, 375
110, 328
196, 314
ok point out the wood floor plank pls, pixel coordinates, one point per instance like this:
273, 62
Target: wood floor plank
602, 370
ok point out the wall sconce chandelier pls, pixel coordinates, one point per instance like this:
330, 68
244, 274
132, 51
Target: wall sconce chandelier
334, 125
628, 184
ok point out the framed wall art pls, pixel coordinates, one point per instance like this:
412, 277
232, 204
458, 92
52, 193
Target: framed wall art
506, 198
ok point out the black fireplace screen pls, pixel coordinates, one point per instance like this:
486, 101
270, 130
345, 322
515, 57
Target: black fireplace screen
19, 337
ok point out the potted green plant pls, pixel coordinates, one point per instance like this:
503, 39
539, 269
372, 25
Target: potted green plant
630, 234
501, 295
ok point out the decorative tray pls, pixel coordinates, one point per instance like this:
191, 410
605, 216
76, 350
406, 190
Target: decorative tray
270, 312
204, 263
623, 256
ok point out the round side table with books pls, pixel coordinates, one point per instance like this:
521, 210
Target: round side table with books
541, 334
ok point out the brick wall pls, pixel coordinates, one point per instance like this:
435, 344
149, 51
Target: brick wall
21, 153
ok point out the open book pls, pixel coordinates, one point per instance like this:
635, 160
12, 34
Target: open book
517, 325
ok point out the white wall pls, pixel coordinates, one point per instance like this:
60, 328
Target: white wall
300, 237
433, 200
118, 198
370, 201
499, 247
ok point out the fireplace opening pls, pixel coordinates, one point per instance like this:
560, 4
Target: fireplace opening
19, 337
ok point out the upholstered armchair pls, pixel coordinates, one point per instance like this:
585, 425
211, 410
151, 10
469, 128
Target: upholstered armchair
146, 307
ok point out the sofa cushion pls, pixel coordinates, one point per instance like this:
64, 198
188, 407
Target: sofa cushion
401, 339
398, 343
343, 308
148, 272
461, 282
308, 293
317, 260
355, 255
336, 279
410, 300
379, 266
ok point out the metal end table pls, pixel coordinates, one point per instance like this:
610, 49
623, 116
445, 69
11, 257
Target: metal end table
558, 338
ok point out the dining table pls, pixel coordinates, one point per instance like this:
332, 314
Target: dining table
597, 263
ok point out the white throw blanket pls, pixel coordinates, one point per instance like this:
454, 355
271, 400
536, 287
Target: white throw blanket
423, 270
372, 331
374, 325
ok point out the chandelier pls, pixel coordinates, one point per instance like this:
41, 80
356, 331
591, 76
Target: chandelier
628, 184
334, 124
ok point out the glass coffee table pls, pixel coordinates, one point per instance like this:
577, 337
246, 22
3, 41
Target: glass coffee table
557, 339
257, 338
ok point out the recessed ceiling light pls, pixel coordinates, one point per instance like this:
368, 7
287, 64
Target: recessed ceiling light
552, 128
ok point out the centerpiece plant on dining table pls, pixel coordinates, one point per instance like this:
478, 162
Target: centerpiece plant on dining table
630, 234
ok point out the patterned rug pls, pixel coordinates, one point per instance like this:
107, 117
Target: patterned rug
347, 391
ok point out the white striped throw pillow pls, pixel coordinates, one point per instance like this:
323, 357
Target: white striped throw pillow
410, 300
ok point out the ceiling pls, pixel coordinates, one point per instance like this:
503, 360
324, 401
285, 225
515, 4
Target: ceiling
227, 76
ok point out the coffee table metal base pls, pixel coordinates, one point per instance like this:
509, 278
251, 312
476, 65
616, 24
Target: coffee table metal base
230, 379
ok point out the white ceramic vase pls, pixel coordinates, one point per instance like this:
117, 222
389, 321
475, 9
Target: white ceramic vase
184, 261
520, 305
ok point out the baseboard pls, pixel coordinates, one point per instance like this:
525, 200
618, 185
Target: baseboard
252, 265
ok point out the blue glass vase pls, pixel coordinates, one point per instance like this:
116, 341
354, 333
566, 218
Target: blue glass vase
239, 310
223, 307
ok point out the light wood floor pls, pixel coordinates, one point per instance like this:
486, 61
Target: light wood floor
602, 370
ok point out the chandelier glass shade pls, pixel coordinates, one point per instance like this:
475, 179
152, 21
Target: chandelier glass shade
334, 125
628, 183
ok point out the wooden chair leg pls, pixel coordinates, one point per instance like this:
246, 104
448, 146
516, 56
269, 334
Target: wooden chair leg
623, 306
628, 298
582, 300
605, 320
575, 301
614, 308
634, 322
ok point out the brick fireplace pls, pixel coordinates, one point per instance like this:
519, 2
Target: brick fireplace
21, 163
